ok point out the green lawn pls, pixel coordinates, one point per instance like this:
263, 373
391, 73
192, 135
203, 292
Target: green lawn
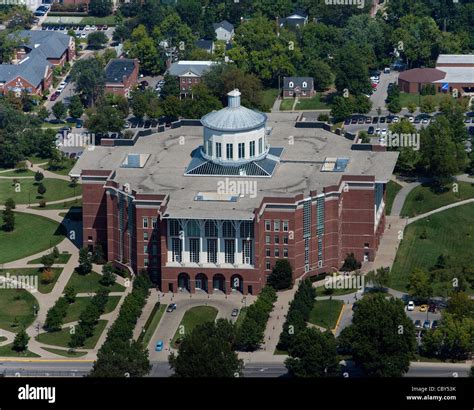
26, 191
42, 287
269, 97
63, 258
325, 313
317, 102
32, 234
422, 199
320, 291
152, 323
14, 173
65, 353
450, 232
71, 205
63, 337
68, 165
75, 309
392, 190
7, 351
407, 98
287, 104
192, 318
16, 304
90, 283
241, 317
37, 160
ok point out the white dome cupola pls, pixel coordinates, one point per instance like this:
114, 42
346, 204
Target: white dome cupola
234, 134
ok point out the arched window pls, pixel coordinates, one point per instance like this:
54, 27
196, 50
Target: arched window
291, 84
305, 84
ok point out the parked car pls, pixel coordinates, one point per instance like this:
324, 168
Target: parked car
411, 118
435, 324
54, 97
79, 123
354, 121
159, 346
360, 120
418, 324
427, 324
375, 120
423, 308
368, 120
432, 308
144, 83
370, 130
87, 28
383, 133
347, 121
171, 307
235, 312
382, 120
411, 306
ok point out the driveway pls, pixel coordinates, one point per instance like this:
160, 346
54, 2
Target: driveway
378, 98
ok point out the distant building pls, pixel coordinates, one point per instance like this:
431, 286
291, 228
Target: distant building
302, 87
206, 45
32, 67
296, 20
189, 73
121, 74
453, 71
224, 30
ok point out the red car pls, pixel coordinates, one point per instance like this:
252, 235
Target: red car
54, 97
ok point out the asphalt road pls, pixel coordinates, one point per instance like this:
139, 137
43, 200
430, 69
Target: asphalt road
161, 369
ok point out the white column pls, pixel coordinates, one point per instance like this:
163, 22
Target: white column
202, 243
238, 248
220, 244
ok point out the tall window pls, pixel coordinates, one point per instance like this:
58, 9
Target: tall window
241, 150
276, 225
176, 249
154, 222
210, 228
174, 227
285, 226
145, 236
229, 151
209, 148
246, 229
145, 222
193, 228
218, 150
268, 225
246, 252
260, 146
228, 230
252, 148
212, 250
194, 250
229, 248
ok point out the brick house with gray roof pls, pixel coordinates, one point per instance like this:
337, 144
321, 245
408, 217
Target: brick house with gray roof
301, 87
31, 69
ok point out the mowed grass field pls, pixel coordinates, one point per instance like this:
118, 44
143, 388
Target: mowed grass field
422, 199
25, 190
42, 287
63, 337
16, 304
192, 318
75, 309
325, 313
449, 232
392, 190
90, 283
32, 234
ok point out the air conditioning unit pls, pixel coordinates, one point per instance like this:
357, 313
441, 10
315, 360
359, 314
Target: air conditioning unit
320, 264
306, 268
247, 260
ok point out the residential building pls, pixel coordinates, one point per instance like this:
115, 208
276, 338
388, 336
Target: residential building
302, 87
189, 73
217, 212
296, 20
206, 45
31, 69
224, 30
121, 74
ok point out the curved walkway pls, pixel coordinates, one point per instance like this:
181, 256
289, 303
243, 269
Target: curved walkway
443, 208
401, 196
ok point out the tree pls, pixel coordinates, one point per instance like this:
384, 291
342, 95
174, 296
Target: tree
59, 110
85, 265
20, 343
460, 305
313, 354
381, 337
394, 106
341, 108
100, 8
380, 278
281, 276
207, 352
351, 263
38, 176
75, 107
41, 189
419, 285
70, 294
89, 79
104, 120
10, 203
141, 46
8, 219
428, 104
411, 107
321, 73
108, 275
351, 70
47, 260
47, 276
96, 40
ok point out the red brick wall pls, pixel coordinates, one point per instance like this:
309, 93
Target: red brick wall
94, 214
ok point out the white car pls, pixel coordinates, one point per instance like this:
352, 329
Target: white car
60, 88
87, 28
377, 131
83, 35
396, 119
383, 133
411, 119
425, 121
411, 306
93, 28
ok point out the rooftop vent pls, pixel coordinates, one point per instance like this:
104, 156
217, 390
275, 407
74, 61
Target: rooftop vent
233, 99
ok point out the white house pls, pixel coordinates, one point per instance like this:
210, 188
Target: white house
224, 30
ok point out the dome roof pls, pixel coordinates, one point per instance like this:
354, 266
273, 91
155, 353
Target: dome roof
234, 117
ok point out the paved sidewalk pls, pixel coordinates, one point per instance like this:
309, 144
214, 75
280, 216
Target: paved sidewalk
443, 208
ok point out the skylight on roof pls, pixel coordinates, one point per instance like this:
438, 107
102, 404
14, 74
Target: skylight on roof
135, 160
333, 164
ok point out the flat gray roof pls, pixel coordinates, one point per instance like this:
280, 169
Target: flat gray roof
298, 172
455, 59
